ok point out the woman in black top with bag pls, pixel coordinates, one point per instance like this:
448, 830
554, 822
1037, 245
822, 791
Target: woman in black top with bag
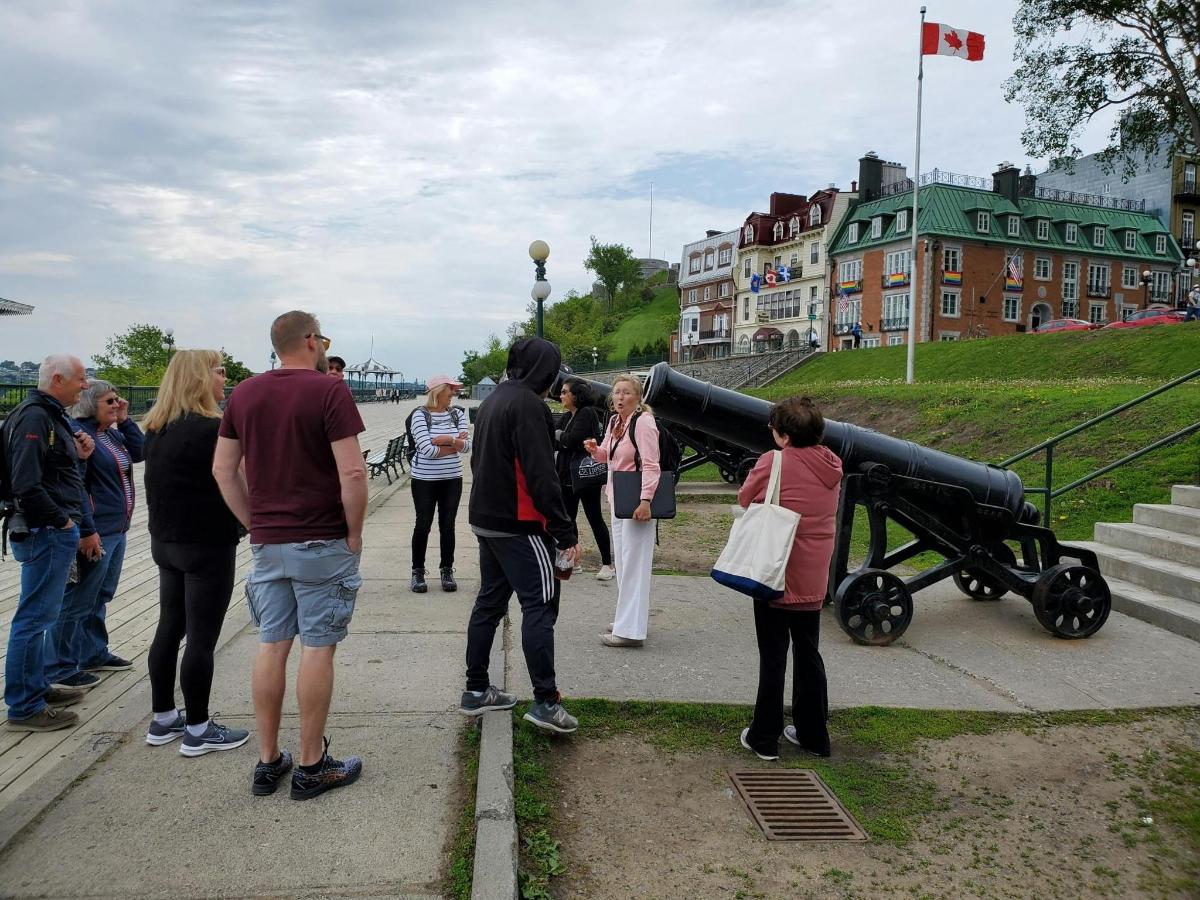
193, 539
582, 421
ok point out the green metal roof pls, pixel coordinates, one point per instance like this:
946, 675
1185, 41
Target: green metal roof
949, 211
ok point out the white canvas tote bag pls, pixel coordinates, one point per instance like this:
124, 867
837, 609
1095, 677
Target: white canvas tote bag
755, 559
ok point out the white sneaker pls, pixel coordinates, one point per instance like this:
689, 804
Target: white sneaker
606, 573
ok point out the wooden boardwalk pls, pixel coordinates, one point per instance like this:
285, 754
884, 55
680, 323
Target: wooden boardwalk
132, 618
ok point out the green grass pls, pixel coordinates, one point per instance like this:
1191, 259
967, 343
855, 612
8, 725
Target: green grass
533, 793
462, 851
645, 325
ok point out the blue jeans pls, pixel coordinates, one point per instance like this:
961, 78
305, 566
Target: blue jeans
1193, 312
45, 558
79, 638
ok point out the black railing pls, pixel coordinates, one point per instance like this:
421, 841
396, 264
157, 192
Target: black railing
715, 335
1188, 186
900, 324
1099, 290
843, 327
1103, 201
1050, 492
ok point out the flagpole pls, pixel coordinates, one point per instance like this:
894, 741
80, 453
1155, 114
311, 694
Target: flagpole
912, 280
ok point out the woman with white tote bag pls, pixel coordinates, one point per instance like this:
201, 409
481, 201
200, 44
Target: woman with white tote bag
809, 484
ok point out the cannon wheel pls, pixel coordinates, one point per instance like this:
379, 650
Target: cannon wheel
980, 585
874, 607
744, 467
1071, 601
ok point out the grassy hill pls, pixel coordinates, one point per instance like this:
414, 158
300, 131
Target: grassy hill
647, 324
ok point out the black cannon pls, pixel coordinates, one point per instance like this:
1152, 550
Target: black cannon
969, 513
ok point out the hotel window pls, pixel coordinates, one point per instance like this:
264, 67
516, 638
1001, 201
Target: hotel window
895, 311
1131, 240
897, 262
951, 259
869, 343
794, 227
950, 304
694, 265
850, 314
1160, 243
749, 234
1097, 283
1012, 309
814, 294
1096, 313
777, 231
746, 267
902, 220
1070, 309
1041, 268
814, 252
746, 309
1071, 234
795, 260
1126, 312
1070, 281
1160, 288
814, 216
1187, 231
1099, 235
852, 233
1043, 229
725, 257
708, 293
877, 226
723, 290
1014, 226
692, 296
895, 340
850, 270
947, 336
709, 259
1129, 277
778, 262
983, 223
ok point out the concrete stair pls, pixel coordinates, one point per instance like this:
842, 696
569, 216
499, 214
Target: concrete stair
1152, 564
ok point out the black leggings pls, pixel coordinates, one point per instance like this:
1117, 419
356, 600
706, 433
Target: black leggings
590, 497
777, 628
444, 495
194, 585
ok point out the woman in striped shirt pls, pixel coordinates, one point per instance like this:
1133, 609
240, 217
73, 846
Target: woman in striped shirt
438, 433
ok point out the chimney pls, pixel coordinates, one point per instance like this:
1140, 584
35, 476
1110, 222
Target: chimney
712, 232
1004, 181
782, 204
854, 186
870, 176
1027, 184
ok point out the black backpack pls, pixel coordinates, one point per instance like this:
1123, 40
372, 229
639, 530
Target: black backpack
670, 452
410, 445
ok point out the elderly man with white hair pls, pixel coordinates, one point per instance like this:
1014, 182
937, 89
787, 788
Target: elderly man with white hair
41, 459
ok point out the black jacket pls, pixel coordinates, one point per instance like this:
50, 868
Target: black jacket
43, 466
573, 429
515, 487
185, 503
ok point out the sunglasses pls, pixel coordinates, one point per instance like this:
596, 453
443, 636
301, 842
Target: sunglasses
320, 337
112, 401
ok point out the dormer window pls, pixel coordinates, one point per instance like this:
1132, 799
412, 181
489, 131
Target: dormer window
1099, 234
1160, 243
1071, 233
814, 215
794, 227
902, 220
1043, 229
877, 226
852, 233
983, 222
694, 265
709, 259
1014, 226
749, 234
1131, 240
777, 231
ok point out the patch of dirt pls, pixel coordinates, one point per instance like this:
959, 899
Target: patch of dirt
1056, 813
885, 416
688, 544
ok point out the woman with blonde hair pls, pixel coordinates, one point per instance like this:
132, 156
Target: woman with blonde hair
193, 539
632, 539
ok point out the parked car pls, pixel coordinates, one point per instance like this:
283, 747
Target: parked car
1161, 315
1065, 325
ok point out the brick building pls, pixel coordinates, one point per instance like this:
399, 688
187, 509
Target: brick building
994, 256
705, 298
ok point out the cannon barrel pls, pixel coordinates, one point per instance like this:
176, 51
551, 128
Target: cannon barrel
742, 420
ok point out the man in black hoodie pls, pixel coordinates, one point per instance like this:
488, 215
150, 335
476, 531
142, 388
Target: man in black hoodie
518, 514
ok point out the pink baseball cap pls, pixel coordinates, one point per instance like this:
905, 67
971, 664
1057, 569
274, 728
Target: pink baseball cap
438, 380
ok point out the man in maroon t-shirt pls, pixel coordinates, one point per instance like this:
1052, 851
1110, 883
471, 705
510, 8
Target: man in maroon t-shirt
304, 499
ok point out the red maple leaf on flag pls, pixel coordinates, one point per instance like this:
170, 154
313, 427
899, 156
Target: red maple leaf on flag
952, 38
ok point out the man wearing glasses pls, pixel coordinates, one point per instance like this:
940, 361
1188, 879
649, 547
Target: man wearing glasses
304, 499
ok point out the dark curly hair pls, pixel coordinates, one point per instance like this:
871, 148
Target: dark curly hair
800, 419
581, 391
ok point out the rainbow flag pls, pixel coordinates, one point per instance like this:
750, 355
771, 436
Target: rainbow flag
897, 278
849, 286
952, 278
1012, 284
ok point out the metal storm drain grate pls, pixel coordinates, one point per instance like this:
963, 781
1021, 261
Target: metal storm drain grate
795, 805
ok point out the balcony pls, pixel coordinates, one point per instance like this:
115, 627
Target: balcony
1159, 297
1188, 190
894, 324
850, 287
1187, 241
842, 327
896, 279
1103, 291
719, 335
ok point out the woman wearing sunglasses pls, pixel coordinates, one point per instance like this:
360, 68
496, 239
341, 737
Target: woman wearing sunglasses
78, 641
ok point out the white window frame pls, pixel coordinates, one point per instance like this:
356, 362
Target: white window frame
895, 340
901, 220
1096, 311
897, 306
852, 233
1071, 233
850, 270
983, 222
748, 234
1070, 308
1099, 236
1160, 244
870, 342
795, 260
1099, 277
1129, 276
723, 290
947, 254
898, 261
710, 259
1160, 284
1014, 226
954, 309
1127, 311
1070, 280
1043, 229
794, 226
877, 227
1131, 240
725, 257
694, 265
1042, 268
948, 336
708, 292
692, 296
747, 266
777, 232
1012, 308
814, 215
745, 309
814, 253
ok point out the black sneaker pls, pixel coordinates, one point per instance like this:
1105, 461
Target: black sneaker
491, 699
267, 775
449, 585
217, 737
330, 773
417, 585
84, 680
114, 663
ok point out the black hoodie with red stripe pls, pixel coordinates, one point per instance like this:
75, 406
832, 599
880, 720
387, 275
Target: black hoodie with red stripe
515, 488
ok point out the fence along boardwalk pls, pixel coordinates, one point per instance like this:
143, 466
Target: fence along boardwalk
132, 618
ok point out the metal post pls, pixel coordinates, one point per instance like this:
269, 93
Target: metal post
912, 291
1049, 483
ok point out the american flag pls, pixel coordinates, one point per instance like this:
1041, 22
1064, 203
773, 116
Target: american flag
1014, 269
843, 306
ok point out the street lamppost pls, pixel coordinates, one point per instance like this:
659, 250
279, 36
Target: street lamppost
539, 252
595, 356
1146, 279
273, 358
168, 343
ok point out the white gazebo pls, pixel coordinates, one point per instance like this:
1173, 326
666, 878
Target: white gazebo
13, 308
373, 368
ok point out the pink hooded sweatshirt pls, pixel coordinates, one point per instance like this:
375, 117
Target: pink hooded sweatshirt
810, 484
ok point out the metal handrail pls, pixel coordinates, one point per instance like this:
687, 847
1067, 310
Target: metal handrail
1050, 492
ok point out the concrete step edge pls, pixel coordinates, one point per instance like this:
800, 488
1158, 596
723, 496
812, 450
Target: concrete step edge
1186, 495
1166, 544
1180, 617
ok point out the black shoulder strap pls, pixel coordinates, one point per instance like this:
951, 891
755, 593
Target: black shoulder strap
637, 455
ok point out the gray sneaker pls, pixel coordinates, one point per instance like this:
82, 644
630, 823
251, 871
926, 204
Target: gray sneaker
217, 737
552, 717
491, 699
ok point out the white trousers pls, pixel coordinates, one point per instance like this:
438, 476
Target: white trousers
633, 555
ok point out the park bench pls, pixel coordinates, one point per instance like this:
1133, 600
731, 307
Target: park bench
389, 461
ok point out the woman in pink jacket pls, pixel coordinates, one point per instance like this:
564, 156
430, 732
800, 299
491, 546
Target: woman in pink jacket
810, 485
632, 539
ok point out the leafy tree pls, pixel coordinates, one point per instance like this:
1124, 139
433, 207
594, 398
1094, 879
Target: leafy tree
1141, 57
29, 366
615, 266
490, 363
235, 371
8, 364
134, 357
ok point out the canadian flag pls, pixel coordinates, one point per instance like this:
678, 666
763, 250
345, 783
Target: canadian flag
945, 40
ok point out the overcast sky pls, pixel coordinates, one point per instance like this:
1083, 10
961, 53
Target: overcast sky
206, 166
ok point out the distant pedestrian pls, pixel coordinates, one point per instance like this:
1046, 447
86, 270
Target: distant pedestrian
633, 539
517, 513
856, 332
42, 457
582, 420
810, 485
439, 435
77, 645
1193, 307
193, 540
304, 499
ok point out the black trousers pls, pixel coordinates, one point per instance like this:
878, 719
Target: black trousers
194, 585
776, 629
525, 564
444, 496
590, 498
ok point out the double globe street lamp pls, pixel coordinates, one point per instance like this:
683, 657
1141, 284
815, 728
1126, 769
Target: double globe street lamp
168, 342
539, 252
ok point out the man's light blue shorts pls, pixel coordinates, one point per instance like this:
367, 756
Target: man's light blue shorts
305, 589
